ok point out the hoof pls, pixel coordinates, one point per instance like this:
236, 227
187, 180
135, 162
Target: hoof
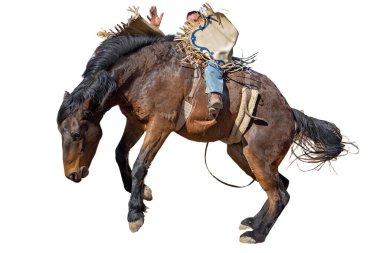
136, 225
244, 227
250, 223
246, 239
252, 237
147, 193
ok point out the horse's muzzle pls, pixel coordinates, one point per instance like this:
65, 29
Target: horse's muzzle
77, 176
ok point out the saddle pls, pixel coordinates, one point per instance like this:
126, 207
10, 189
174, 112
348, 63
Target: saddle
249, 97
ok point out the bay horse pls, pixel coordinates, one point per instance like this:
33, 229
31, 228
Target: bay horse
145, 77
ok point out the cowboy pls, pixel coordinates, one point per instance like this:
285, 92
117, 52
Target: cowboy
213, 72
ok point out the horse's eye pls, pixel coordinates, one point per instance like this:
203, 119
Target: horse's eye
75, 135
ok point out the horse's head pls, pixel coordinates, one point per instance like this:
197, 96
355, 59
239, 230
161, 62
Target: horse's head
81, 133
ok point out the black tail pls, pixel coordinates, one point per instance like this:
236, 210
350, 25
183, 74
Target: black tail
320, 141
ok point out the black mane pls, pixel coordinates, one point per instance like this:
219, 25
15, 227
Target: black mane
111, 49
97, 84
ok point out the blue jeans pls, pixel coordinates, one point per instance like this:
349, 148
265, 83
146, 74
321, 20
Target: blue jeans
214, 78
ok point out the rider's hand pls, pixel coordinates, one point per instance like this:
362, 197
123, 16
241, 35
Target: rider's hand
206, 10
153, 17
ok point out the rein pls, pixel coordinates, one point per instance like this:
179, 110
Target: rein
230, 185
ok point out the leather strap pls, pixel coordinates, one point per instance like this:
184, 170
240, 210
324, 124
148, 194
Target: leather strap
187, 104
196, 80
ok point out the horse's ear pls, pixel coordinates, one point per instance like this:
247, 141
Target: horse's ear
65, 95
86, 104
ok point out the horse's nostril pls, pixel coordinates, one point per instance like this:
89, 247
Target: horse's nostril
73, 177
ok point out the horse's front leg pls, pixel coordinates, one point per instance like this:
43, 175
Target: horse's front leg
132, 134
156, 134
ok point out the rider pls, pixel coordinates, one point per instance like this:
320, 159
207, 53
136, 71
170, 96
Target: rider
213, 72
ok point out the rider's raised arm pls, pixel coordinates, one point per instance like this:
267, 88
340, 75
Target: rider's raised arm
153, 17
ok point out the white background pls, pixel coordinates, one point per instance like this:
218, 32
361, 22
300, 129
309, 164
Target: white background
323, 56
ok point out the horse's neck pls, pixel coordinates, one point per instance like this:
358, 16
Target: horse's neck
144, 68
151, 80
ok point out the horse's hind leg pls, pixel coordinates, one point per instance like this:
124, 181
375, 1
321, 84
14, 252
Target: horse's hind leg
263, 158
254, 222
235, 151
132, 133
156, 134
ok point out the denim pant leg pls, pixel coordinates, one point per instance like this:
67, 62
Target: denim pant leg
214, 78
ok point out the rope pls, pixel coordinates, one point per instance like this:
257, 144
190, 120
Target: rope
231, 185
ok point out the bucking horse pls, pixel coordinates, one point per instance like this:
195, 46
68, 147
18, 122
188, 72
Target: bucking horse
145, 77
